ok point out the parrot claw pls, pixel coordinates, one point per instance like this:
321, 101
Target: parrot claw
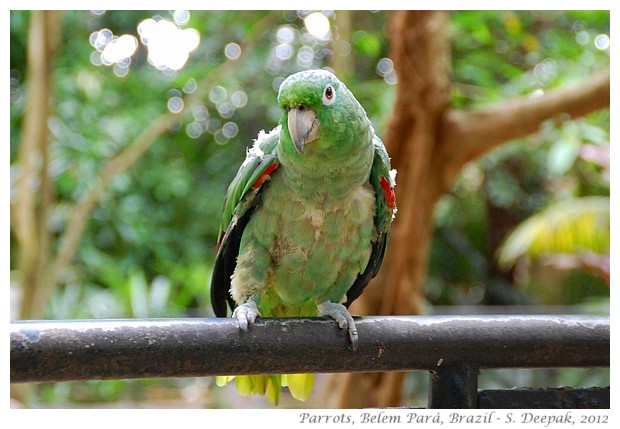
246, 314
340, 314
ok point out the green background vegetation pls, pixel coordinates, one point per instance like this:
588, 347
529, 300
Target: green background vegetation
148, 248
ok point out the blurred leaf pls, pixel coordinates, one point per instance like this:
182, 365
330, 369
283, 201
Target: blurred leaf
593, 133
512, 23
367, 43
572, 226
562, 155
138, 295
158, 297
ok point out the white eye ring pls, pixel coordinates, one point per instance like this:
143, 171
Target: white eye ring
329, 95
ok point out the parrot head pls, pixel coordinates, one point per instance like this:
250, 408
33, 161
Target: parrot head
317, 109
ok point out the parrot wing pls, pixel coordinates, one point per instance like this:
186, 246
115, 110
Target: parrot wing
382, 179
242, 197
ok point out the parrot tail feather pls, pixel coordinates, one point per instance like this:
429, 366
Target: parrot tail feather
300, 385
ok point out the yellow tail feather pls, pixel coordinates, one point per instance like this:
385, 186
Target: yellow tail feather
223, 380
300, 385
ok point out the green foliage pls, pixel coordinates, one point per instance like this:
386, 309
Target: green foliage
148, 247
568, 226
506, 53
499, 55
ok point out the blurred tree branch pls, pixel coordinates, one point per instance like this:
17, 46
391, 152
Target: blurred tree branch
29, 213
342, 62
471, 133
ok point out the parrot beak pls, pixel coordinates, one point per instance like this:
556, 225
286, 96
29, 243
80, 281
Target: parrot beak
303, 125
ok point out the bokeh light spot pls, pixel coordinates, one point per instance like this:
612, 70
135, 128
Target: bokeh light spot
283, 51
190, 86
175, 104
193, 130
200, 113
285, 34
226, 109
181, 16
582, 37
232, 51
230, 130
601, 42
317, 24
119, 49
385, 66
239, 98
305, 56
218, 94
99, 39
169, 46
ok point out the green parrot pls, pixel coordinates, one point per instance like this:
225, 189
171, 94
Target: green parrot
305, 220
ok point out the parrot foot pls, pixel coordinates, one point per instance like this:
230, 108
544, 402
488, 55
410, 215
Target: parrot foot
340, 314
246, 314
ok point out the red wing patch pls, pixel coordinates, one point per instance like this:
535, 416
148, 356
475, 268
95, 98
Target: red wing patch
263, 177
390, 197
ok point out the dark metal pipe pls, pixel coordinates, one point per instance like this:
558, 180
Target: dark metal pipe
454, 387
562, 397
132, 348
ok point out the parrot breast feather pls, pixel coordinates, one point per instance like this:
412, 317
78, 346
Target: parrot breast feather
242, 197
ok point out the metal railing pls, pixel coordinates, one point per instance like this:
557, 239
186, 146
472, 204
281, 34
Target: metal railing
453, 348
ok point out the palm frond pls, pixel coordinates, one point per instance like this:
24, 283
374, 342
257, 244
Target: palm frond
571, 226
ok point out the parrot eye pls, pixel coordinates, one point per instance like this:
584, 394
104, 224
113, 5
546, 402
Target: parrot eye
329, 95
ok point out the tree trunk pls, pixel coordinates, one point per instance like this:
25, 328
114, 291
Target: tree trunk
33, 188
429, 143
